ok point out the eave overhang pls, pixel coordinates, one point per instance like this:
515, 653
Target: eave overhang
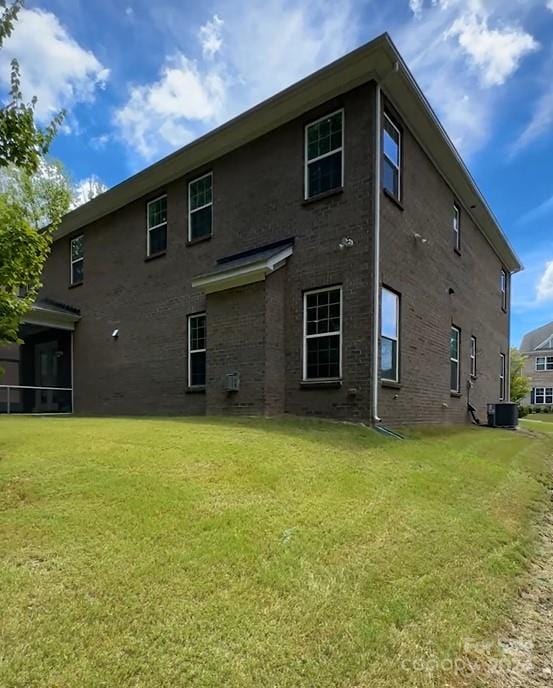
50, 317
230, 275
374, 61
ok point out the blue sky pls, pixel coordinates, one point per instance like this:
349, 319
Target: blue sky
139, 79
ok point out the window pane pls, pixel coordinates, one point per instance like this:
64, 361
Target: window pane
324, 136
323, 312
197, 368
158, 239
197, 332
454, 382
157, 212
201, 192
200, 223
77, 248
391, 142
323, 357
388, 359
389, 313
77, 271
454, 344
325, 174
390, 178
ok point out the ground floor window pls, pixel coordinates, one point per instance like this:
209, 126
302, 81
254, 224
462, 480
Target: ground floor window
502, 369
322, 333
196, 350
543, 395
454, 356
389, 335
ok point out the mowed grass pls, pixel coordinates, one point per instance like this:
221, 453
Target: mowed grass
542, 422
182, 552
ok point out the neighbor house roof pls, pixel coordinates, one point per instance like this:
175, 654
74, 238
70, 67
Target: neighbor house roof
374, 60
537, 339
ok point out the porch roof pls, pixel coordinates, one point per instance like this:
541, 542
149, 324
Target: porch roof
50, 313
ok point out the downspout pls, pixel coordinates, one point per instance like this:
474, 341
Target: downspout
376, 241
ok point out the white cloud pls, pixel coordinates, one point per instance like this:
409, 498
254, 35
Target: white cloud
544, 290
541, 121
156, 114
537, 212
549, 5
87, 189
54, 66
190, 96
416, 7
210, 35
496, 53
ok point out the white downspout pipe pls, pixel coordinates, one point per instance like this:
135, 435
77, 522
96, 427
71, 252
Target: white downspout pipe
376, 241
376, 252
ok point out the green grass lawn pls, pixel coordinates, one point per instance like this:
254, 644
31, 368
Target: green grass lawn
539, 421
169, 553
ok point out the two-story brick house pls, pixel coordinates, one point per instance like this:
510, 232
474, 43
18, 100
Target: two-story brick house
537, 347
324, 253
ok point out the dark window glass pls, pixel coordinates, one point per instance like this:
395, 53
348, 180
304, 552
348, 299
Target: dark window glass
322, 334
77, 259
158, 239
388, 359
201, 207
197, 337
454, 345
389, 335
324, 155
391, 151
77, 271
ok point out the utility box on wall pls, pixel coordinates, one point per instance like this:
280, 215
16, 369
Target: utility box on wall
232, 382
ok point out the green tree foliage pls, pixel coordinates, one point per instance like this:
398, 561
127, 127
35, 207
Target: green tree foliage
31, 209
520, 383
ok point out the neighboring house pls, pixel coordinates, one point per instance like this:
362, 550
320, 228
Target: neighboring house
537, 346
325, 253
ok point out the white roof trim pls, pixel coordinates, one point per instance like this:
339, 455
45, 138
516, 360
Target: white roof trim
47, 317
549, 338
241, 275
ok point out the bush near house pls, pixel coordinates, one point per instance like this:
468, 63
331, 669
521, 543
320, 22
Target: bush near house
256, 553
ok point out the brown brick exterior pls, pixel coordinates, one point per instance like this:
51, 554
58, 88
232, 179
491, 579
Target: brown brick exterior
257, 330
538, 378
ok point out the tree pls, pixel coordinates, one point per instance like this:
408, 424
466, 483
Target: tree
31, 209
22, 142
520, 383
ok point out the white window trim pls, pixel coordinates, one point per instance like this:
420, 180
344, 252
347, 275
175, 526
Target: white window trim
400, 152
456, 360
457, 226
473, 368
546, 367
396, 338
194, 351
324, 155
322, 334
503, 282
71, 261
148, 228
543, 393
502, 376
206, 205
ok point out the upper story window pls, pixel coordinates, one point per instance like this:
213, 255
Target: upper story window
77, 259
324, 143
454, 358
502, 372
544, 363
200, 207
503, 287
391, 151
322, 333
197, 350
456, 227
157, 226
473, 356
389, 335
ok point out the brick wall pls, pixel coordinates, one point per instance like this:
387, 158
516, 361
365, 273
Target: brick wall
541, 378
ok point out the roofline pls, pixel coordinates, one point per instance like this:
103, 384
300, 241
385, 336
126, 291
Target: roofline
372, 61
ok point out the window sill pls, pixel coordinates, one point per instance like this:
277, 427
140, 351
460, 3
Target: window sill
195, 390
392, 198
320, 384
76, 284
326, 194
159, 254
390, 383
199, 240
455, 395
